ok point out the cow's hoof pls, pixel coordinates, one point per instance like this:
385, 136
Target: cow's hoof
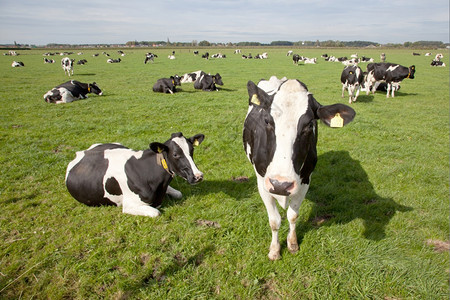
274, 255
293, 248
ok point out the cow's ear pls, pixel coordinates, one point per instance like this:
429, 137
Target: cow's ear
257, 97
336, 115
197, 139
158, 147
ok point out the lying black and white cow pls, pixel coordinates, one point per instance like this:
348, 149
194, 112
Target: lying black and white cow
351, 78
437, 63
392, 74
208, 82
167, 85
280, 137
48, 61
190, 77
113, 61
112, 174
67, 65
82, 62
17, 64
71, 91
150, 57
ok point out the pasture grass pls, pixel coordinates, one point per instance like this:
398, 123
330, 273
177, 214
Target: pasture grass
379, 193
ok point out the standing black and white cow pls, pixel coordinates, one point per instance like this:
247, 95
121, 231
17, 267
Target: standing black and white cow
150, 57
167, 85
112, 174
208, 82
351, 78
67, 65
392, 74
280, 138
71, 91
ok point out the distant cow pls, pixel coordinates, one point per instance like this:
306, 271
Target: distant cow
71, 91
436, 63
296, 58
112, 174
392, 74
48, 61
351, 78
150, 57
113, 61
167, 85
208, 82
82, 62
280, 138
190, 77
67, 65
206, 55
17, 64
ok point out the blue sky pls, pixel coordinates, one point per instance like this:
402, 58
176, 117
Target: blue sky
110, 21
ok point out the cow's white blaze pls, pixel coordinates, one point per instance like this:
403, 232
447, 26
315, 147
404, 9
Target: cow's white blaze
288, 105
181, 142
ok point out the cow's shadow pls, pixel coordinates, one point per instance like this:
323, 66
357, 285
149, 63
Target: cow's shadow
341, 192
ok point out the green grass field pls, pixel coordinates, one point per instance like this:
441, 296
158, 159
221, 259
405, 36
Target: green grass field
371, 226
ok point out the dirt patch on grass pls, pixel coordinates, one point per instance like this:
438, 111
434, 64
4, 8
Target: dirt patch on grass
439, 246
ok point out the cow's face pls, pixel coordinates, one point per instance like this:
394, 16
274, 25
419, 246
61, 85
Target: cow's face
412, 70
179, 154
176, 80
93, 88
218, 79
280, 134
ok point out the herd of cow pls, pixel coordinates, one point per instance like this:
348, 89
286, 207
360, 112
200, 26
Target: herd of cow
279, 138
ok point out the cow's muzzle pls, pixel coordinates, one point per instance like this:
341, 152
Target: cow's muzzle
280, 187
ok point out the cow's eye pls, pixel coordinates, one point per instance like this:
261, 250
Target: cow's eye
175, 155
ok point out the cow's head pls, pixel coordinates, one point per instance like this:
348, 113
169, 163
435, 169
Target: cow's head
218, 79
93, 88
176, 80
178, 152
280, 134
412, 70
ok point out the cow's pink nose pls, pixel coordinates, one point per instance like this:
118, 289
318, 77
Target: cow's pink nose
198, 177
281, 187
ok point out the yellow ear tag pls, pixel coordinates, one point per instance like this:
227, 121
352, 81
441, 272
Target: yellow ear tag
255, 100
164, 164
196, 143
351, 72
337, 121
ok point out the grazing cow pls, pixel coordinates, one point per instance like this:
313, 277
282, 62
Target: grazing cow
237, 51
351, 78
112, 174
289, 53
416, 54
17, 64
190, 77
208, 82
71, 91
196, 52
150, 57
280, 138
383, 57
82, 62
296, 58
206, 55
167, 85
392, 74
48, 61
171, 56
67, 65
436, 63
113, 61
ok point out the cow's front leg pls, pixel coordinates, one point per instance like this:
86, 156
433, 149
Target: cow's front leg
292, 215
343, 90
134, 206
274, 221
174, 193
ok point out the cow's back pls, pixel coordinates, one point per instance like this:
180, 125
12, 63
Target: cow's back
84, 176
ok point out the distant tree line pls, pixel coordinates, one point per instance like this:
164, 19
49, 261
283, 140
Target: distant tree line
317, 43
